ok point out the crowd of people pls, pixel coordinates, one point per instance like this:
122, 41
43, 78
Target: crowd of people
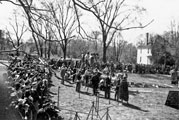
98, 78
153, 69
30, 78
144, 69
89, 72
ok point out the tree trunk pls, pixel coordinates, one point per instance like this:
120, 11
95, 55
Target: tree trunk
117, 53
49, 49
36, 44
37, 48
114, 51
96, 45
41, 49
104, 48
64, 51
104, 52
176, 61
45, 52
18, 44
64, 54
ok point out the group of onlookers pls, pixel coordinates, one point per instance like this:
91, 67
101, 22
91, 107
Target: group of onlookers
31, 80
121, 90
97, 79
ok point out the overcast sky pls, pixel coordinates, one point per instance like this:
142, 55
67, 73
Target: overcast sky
162, 11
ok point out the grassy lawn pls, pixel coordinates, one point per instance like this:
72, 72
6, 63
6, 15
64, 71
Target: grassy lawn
145, 103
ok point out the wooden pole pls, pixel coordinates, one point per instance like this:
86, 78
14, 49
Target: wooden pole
58, 96
107, 114
92, 111
97, 104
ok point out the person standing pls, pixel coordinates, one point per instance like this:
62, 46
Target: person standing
87, 75
82, 58
123, 88
74, 74
116, 97
95, 82
87, 56
78, 81
107, 86
63, 71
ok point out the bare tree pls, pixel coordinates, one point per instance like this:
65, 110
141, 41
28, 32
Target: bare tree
44, 43
33, 14
111, 16
18, 31
96, 35
174, 40
35, 11
109, 13
64, 21
120, 49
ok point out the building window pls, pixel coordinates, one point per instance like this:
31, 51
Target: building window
140, 59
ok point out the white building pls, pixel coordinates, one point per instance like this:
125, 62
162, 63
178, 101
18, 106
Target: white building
144, 55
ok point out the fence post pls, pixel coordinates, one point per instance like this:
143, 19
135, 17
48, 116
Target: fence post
58, 96
107, 115
76, 114
91, 110
97, 104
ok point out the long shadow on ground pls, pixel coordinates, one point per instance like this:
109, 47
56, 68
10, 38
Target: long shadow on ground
134, 107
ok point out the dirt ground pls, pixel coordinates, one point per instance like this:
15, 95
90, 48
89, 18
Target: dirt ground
144, 103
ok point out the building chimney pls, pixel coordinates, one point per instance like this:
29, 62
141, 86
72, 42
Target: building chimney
147, 38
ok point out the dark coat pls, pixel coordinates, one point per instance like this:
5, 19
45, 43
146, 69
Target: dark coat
123, 90
95, 80
108, 82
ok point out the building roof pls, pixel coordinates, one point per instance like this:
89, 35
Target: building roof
144, 46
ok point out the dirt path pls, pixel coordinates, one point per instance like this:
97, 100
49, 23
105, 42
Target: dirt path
6, 112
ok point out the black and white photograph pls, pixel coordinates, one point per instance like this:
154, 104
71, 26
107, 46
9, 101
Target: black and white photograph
89, 60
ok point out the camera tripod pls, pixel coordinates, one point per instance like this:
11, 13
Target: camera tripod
91, 112
108, 117
76, 116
